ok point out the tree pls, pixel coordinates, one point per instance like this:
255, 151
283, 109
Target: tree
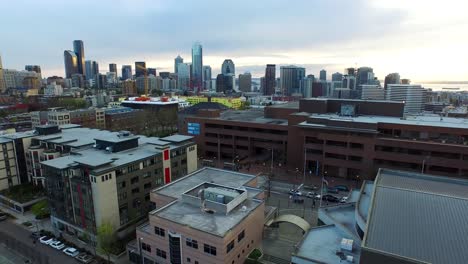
106, 239
41, 209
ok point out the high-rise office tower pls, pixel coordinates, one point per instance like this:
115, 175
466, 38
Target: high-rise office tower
225, 83
412, 95
113, 68
71, 63
34, 68
78, 48
245, 82
270, 79
152, 71
197, 66
140, 68
228, 67
323, 75
291, 77
207, 77
177, 60
89, 72
392, 78
307, 85
337, 77
100, 81
126, 72
95, 68
350, 71
183, 74
2, 81
365, 75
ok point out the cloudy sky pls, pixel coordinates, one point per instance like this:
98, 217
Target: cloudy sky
423, 40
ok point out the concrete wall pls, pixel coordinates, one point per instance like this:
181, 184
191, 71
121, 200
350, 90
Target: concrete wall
106, 207
192, 159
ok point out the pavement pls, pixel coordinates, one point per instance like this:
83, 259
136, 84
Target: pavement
7, 256
22, 234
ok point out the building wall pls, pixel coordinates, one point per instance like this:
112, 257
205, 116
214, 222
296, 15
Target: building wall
192, 159
106, 206
8, 171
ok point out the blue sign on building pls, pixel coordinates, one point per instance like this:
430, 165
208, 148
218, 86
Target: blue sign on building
193, 128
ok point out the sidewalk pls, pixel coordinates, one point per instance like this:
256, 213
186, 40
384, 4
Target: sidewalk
29, 217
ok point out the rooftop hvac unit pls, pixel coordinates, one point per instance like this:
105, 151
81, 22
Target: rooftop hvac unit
350, 259
347, 244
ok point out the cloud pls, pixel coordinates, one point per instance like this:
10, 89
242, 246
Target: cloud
332, 33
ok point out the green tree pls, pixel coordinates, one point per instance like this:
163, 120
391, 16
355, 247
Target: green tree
106, 239
41, 209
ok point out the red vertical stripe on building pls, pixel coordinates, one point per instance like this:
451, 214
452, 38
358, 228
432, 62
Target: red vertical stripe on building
80, 199
167, 175
166, 154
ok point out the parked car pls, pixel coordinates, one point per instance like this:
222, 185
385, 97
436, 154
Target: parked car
84, 258
295, 192
344, 199
35, 235
46, 240
311, 194
330, 198
342, 188
57, 245
333, 190
3, 216
72, 252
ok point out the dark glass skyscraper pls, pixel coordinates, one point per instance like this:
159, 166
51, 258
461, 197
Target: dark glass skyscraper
126, 72
291, 78
34, 68
228, 67
323, 75
337, 77
152, 71
71, 63
78, 48
113, 68
197, 66
140, 68
365, 75
270, 79
392, 78
177, 60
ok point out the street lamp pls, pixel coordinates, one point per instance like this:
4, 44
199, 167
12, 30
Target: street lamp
139, 247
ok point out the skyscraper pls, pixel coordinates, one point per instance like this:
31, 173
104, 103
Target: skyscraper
95, 68
207, 77
126, 72
337, 77
270, 79
183, 74
365, 75
291, 77
412, 95
323, 75
307, 85
2, 81
78, 48
177, 60
224, 83
392, 78
152, 71
91, 69
140, 68
71, 63
245, 82
228, 67
113, 68
197, 66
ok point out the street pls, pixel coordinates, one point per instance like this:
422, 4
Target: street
21, 234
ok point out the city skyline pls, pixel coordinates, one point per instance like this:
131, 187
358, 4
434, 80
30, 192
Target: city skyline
390, 36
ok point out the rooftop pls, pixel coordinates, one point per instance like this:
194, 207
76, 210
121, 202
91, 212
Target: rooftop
419, 217
320, 245
252, 115
212, 175
342, 216
151, 101
222, 216
419, 120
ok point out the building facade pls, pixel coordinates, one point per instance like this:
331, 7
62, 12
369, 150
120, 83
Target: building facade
71, 63
197, 67
140, 69
412, 95
269, 83
177, 60
245, 82
228, 67
127, 72
177, 231
78, 48
291, 77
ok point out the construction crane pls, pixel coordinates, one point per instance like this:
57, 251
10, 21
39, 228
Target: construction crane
146, 78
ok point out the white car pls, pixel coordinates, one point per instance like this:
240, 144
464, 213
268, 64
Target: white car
72, 252
57, 245
46, 240
344, 199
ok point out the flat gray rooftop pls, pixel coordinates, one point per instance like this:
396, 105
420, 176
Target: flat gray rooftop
419, 120
212, 175
419, 216
252, 115
321, 243
364, 199
343, 216
177, 138
217, 224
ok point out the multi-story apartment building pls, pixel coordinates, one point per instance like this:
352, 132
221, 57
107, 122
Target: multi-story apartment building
211, 216
9, 174
95, 177
91, 117
335, 137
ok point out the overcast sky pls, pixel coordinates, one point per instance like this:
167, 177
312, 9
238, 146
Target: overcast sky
423, 40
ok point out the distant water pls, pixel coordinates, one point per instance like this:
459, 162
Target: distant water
440, 86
